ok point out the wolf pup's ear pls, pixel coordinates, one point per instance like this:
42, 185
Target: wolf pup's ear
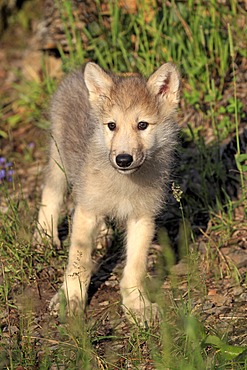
97, 81
165, 83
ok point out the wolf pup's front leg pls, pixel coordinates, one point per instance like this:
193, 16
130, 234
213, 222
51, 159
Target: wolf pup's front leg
80, 265
137, 306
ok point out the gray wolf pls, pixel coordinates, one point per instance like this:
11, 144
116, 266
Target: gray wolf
112, 140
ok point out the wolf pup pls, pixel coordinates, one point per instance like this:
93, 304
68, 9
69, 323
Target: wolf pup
112, 140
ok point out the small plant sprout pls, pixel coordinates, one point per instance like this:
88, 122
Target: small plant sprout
177, 192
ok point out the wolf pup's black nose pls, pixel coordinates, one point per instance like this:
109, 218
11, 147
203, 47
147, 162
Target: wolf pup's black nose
124, 160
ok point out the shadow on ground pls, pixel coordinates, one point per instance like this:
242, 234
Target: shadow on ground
209, 179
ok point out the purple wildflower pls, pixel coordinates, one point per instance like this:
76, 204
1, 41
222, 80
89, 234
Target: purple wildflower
31, 145
9, 175
2, 174
6, 173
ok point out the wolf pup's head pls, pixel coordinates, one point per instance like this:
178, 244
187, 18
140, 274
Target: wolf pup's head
137, 115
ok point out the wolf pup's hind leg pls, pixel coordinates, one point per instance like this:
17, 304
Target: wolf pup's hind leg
135, 302
52, 199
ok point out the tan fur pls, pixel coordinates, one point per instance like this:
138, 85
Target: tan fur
85, 154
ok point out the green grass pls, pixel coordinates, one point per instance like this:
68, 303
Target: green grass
206, 41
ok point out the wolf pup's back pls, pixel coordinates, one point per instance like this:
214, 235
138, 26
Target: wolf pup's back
113, 140
72, 123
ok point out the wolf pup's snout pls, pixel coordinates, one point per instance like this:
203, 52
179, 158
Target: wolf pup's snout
124, 160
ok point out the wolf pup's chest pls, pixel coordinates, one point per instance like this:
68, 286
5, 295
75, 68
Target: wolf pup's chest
116, 195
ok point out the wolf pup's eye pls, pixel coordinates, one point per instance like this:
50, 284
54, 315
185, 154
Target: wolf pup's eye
142, 125
111, 126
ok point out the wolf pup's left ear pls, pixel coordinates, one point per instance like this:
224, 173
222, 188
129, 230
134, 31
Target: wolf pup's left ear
97, 81
165, 83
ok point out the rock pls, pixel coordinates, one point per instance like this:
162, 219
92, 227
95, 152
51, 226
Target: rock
180, 269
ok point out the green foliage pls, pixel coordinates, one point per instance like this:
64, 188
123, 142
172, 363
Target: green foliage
192, 35
75, 56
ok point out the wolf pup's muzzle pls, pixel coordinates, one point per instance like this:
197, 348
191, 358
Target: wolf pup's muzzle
126, 163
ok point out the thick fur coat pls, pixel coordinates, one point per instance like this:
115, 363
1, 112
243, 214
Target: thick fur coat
113, 140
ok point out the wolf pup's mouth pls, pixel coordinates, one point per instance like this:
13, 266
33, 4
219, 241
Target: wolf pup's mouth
128, 171
125, 163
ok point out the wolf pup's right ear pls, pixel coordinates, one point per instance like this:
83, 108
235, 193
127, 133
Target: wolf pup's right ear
165, 83
97, 81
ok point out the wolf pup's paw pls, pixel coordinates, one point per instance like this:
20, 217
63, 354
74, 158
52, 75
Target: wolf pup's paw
56, 303
71, 298
141, 311
41, 238
59, 305
105, 237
